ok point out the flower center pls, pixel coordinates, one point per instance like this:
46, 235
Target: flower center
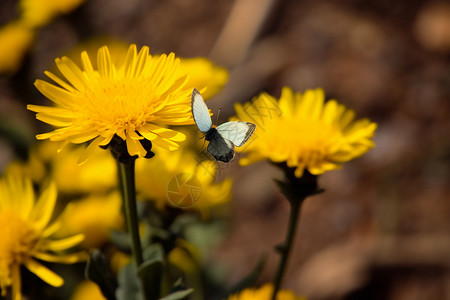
18, 240
119, 103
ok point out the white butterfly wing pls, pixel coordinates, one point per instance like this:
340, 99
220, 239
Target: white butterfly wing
221, 149
200, 112
236, 131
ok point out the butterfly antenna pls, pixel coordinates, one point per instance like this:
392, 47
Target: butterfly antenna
218, 114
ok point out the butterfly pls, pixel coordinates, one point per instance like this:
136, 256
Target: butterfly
223, 138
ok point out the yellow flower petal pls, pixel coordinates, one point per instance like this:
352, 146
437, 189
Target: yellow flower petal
65, 259
42, 272
59, 245
43, 209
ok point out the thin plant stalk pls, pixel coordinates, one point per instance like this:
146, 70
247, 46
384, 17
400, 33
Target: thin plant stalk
286, 247
296, 191
128, 186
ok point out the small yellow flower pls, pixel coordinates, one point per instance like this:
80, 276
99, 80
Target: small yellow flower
134, 100
304, 131
40, 12
26, 234
179, 178
94, 217
264, 293
15, 38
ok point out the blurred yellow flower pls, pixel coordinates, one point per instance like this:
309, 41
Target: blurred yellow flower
97, 175
204, 73
87, 290
134, 100
16, 39
34, 168
179, 179
304, 131
27, 233
264, 293
94, 217
40, 12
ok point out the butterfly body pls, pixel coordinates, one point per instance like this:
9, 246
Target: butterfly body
222, 138
209, 135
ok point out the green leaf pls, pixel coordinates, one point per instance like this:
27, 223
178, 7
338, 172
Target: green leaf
178, 295
121, 240
97, 270
129, 284
154, 251
151, 271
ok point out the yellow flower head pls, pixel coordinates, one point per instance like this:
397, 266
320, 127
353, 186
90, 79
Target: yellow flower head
134, 100
15, 39
27, 235
40, 12
304, 131
179, 179
94, 216
264, 293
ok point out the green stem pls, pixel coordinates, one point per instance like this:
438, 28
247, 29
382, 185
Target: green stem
285, 249
128, 187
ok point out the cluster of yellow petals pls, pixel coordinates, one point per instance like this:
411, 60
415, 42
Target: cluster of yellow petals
26, 230
304, 131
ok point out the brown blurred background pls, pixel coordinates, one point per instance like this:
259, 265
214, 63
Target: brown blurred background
382, 228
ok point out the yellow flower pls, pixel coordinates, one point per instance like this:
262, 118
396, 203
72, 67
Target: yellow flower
87, 290
134, 100
204, 73
178, 179
26, 234
97, 175
304, 131
94, 217
264, 293
15, 39
40, 12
